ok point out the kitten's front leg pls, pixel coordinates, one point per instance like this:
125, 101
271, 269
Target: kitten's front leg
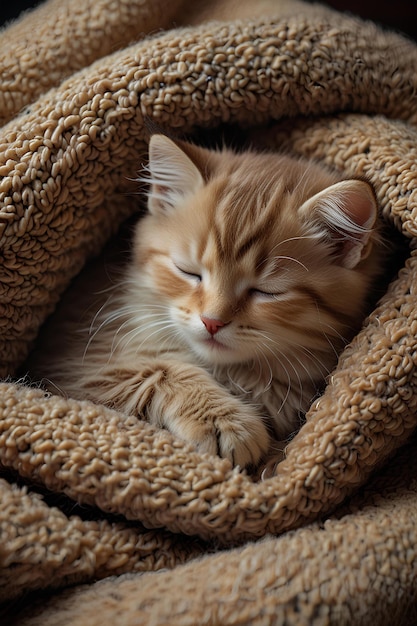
185, 400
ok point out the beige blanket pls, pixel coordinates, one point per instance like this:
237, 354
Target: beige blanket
147, 530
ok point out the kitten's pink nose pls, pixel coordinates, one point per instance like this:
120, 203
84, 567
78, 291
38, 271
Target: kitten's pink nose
212, 325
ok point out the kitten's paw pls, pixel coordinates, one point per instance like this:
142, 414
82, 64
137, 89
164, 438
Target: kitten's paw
188, 403
233, 431
242, 438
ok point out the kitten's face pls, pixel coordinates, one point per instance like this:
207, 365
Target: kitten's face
236, 249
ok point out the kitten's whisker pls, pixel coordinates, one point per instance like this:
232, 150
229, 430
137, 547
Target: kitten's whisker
334, 331
336, 334
92, 333
291, 239
307, 371
121, 312
236, 384
268, 364
276, 346
115, 287
290, 258
324, 370
294, 368
289, 379
96, 316
140, 331
304, 180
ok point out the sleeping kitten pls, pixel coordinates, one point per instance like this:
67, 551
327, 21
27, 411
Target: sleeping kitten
248, 275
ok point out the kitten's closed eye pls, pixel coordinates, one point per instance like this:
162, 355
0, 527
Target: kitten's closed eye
188, 273
267, 295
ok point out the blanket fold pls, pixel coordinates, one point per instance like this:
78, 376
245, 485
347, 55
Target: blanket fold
71, 549
329, 537
355, 581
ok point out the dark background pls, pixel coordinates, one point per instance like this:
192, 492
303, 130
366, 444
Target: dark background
13, 8
399, 15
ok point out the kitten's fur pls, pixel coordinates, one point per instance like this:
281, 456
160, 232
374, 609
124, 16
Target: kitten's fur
249, 273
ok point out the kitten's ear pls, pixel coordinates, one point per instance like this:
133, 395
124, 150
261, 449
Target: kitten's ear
348, 211
173, 174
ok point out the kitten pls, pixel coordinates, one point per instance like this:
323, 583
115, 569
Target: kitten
249, 273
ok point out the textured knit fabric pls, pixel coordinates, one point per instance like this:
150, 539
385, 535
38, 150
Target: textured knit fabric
153, 532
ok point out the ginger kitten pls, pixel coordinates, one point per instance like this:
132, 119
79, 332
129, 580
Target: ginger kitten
248, 274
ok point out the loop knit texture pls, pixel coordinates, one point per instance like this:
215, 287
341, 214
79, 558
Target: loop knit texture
88, 493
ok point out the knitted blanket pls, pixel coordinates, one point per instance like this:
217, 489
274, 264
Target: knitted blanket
105, 519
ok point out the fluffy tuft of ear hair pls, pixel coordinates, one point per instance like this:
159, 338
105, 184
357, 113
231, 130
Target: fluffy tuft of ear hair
348, 212
172, 174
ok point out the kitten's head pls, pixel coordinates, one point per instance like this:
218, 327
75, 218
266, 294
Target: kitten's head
256, 256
